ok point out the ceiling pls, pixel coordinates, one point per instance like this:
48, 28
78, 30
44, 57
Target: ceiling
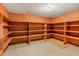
42, 9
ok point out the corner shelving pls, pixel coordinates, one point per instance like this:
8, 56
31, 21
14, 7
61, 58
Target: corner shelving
5, 40
67, 31
7, 34
49, 30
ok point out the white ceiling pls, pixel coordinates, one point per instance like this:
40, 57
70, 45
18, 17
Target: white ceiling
42, 9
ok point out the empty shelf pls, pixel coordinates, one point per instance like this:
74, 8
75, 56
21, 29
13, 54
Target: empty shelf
6, 42
5, 25
35, 30
58, 25
49, 33
67, 31
63, 26
49, 30
17, 26
59, 30
7, 34
66, 36
72, 37
38, 35
73, 25
58, 34
73, 31
17, 31
19, 37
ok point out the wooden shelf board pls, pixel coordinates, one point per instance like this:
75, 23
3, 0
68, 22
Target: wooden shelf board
17, 31
5, 25
19, 37
35, 30
66, 36
50, 30
16, 26
67, 31
37, 22
5, 19
37, 35
72, 37
58, 34
23, 26
7, 34
63, 26
59, 30
36, 27
73, 31
58, 26
74, 25
6, 43
49, 33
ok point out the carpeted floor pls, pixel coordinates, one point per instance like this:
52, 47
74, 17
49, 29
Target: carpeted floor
41, 48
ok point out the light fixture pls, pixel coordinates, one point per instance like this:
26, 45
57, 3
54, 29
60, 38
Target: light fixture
47, 8
50, 7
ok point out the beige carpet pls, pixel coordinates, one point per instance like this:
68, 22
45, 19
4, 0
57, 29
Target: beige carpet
57, 43
41, 48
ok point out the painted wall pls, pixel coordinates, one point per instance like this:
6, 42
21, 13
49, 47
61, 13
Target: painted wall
67, 17
28, 18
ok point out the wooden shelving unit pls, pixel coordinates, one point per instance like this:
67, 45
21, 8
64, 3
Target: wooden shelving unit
32, 31
67, 31
4, 39
21, 28
49, 30
18, 30
5, 43
36, 30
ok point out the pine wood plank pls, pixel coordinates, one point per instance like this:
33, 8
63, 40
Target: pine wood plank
19, 37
